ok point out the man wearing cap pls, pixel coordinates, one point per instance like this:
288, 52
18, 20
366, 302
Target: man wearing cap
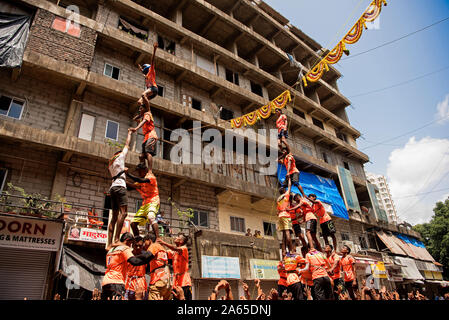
150, 79
146, 185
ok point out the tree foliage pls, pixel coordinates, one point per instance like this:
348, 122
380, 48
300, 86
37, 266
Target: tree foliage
435, 234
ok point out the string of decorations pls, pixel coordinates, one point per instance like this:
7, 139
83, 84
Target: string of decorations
369, 15
264, 112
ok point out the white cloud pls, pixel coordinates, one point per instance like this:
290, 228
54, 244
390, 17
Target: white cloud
417, 168
443, 110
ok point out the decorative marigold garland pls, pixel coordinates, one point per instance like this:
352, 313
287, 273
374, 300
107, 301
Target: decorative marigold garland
263, 112
369, 15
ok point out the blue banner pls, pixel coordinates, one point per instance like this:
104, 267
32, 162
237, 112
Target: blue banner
220, 267
324, 188
410, 240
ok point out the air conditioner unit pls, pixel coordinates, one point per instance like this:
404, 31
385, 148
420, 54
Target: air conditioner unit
350, 244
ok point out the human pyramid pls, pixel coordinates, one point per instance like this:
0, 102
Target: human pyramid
315, 269
130, 255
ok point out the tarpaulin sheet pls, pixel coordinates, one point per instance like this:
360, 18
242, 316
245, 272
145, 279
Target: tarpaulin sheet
14, 30
388, 241
409, 269
417, 247
83, 270
325, 190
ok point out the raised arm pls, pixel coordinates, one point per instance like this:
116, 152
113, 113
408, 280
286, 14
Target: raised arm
141, 259
136, 179
154, 52
170, 246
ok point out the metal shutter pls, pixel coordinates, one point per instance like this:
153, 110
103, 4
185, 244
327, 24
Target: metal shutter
23, 273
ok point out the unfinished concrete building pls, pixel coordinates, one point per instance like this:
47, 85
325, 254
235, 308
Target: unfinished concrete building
76, 94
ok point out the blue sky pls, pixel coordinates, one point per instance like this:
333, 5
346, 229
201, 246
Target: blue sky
417, 163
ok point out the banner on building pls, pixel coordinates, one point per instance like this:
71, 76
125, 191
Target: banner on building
264, 269
26, 233
220, 267
378, 270
347, 186
88, 235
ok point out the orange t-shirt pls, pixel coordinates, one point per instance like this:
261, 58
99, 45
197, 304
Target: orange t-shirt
117, 265
148, 127
306, 278
157, 264
282, 275
148, 190
281, 123
136, 280
307, 211
293, 168
282, 206
346, 265
317, 264
150, 77
180, 267
320, 212
293, 216
337, 271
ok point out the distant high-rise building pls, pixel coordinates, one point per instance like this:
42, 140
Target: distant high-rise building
384, 196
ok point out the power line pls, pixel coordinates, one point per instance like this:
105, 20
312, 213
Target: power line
400, 145
395, 40
404, 134
418, 194
399, 84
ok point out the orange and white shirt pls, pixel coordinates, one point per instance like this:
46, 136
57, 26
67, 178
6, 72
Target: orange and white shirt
117, 265
148, 190
318, 264
282, 275
181, 276
281, 123
282, 206
158, 263
320, 212
306, 278
346, 264
148, 127
307, 210
337, 271
293, 168
136, 280
150, 77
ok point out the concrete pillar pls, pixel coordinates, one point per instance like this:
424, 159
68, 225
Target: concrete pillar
234, 48
256, 61
59, 181
178, 17
73, 117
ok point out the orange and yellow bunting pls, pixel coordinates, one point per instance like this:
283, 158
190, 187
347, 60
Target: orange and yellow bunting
264, 112
354, 34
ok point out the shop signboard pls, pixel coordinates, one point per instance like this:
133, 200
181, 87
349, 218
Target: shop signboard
30, 233
264, 269
378, 270
220, 267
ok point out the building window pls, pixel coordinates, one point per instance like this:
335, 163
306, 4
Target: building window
341, 136
256, 88
299, 113
138, 203
226, 114
325, 157
11, 107
362, 242
166, 44
3, 175
307, 150
269, 229
232, 76
196, 104
86, 127
345, 236
111, 71
346, 165
160, 90
200, 219
112, 130
238, 224
132, 29
318, 123
66, 26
